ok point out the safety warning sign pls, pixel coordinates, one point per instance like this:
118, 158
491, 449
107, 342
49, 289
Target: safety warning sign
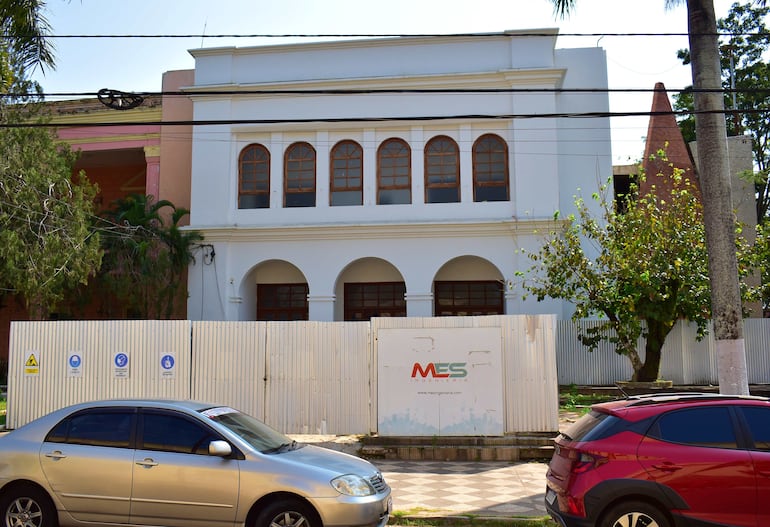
32, 365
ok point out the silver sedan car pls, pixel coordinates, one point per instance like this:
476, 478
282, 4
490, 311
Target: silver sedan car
178, 463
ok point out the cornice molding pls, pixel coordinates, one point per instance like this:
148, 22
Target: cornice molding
485, 80
359, 43
138, 115
250, 234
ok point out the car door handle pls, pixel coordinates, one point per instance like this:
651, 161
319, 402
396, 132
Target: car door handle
667, 467
146, 463
56, 454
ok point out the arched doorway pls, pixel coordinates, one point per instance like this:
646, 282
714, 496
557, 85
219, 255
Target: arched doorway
370, 287
466, 286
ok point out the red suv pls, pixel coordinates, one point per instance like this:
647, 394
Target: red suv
666, 460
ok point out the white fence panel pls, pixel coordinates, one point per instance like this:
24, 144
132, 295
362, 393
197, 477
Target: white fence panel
531, 380
318, 377
685, 359
55, 383
229, 364
529, 373
576, 365
756, 332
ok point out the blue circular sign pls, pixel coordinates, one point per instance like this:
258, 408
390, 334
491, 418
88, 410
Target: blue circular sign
121, 360
167, 362
75, 361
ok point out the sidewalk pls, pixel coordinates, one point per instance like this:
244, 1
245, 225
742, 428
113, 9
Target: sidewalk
435, 489
439, 490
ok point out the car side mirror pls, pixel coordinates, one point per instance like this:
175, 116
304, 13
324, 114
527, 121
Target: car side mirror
220, 448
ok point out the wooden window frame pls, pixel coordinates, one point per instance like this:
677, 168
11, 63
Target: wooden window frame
468, 309
382, 172
396, 309
302, 189
301, 289
440, 157
482, 167
256, 163
349, 171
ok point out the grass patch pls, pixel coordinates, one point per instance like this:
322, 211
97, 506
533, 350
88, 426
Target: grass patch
465, 521
3, 403
571, 400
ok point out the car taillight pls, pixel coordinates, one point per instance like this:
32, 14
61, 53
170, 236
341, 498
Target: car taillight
583, 462
575, 507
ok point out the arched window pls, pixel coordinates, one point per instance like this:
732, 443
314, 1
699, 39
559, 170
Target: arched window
254, 178
299, 176
394, 172
490, 169
442, 170
346, 174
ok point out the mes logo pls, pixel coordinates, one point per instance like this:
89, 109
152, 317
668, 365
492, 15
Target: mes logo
440, 370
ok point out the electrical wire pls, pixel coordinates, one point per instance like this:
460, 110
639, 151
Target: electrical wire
512, 33
194, 92
413, 118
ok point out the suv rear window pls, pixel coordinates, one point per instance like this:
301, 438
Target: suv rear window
588, 427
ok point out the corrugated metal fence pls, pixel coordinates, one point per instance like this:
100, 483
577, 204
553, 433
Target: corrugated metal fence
299, 377
41, 377
685, 360
320, 377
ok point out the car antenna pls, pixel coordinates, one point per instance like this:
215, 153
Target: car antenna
620, 388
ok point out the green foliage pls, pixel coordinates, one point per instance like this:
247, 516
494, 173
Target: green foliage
146, 255
571, 400
26, 31
49, 246
638, 272
757, 257
741, 53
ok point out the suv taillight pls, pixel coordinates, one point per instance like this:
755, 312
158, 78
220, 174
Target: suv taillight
583, 461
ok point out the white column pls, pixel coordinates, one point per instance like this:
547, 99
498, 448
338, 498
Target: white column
417, 144
370, 167
321, 307
465, 144
322, 147
419, 304
276, 170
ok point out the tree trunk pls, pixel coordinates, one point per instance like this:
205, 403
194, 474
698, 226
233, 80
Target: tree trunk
713, 168
657, 332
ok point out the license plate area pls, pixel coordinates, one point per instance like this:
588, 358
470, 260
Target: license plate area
550, 496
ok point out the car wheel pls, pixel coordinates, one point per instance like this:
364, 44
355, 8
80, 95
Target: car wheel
27, 506
287, 513
634, 514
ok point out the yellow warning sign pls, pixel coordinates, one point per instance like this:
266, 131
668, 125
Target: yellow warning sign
32, 366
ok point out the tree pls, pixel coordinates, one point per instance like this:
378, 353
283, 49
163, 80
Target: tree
25, 30
46, 215
146, 255
710, 130
648, 273
744, 70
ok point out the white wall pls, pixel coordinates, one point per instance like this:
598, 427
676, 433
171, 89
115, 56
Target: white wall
549, 158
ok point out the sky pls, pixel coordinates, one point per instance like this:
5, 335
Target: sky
86, 65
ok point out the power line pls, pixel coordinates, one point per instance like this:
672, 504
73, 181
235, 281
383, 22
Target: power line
386, 91
391, 35
477, 117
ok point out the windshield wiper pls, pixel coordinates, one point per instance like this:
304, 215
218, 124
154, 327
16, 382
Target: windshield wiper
281, 448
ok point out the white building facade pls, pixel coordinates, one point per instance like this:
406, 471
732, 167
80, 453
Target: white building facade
388, 177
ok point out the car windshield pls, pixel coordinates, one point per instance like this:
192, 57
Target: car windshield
256, 433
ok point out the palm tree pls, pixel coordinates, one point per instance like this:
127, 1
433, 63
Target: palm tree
711, 133
26, 30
